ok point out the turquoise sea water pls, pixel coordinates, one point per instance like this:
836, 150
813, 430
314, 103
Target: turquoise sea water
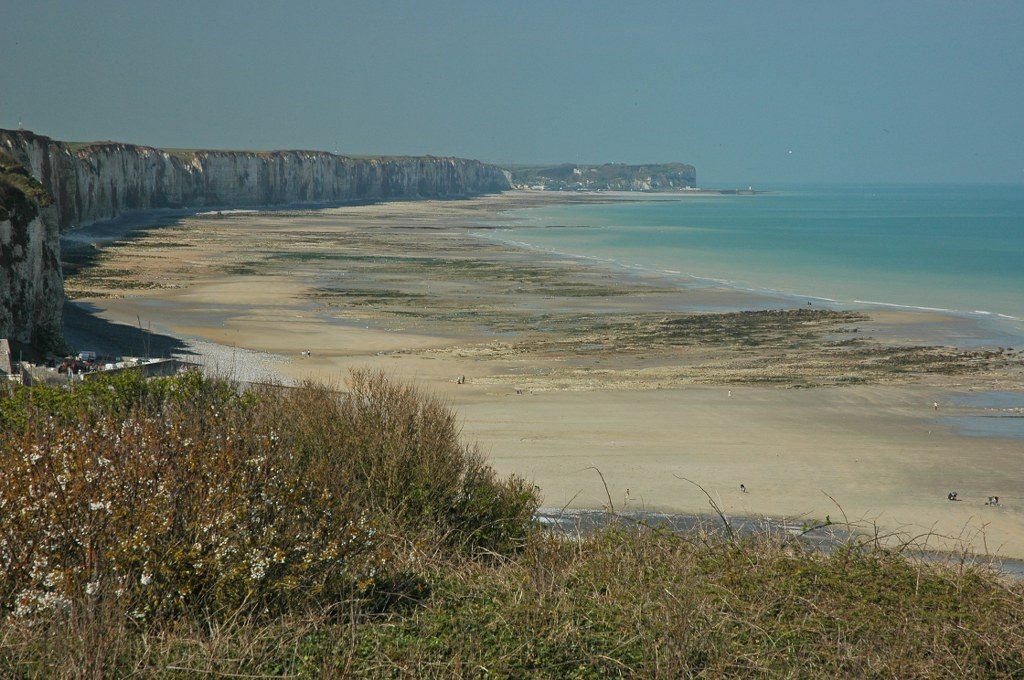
957, 248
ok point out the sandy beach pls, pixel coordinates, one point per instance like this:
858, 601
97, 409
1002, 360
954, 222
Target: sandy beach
570, 366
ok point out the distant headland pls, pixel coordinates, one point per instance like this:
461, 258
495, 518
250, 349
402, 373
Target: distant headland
607, 177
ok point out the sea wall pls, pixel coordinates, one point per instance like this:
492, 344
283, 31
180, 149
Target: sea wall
78, 184
95, 182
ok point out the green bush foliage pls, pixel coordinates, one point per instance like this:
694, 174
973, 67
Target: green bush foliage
180, 496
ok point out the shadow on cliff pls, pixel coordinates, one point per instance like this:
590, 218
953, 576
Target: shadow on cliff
84, 329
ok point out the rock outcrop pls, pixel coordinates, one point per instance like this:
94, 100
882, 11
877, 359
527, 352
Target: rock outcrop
78, 184
31, 286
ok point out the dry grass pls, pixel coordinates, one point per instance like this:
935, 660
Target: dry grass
652, 605
175, 528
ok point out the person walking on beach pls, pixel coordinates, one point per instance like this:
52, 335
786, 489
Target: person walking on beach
935, 405
743, 488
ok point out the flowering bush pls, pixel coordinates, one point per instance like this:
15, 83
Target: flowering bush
399, 452
180, 495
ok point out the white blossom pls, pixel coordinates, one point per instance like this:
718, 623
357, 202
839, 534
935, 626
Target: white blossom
258, 569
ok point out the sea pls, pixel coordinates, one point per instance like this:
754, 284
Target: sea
956, 248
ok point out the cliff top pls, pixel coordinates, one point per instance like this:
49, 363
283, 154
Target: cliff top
187, 154
607, 176
604, 171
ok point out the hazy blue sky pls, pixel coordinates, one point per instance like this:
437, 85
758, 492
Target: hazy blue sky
887, 91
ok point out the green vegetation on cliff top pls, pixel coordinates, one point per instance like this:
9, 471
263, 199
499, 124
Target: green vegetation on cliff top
609, 175
18, 189
188, 154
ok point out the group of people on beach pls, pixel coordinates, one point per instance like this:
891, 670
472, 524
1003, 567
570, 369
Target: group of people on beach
992, 500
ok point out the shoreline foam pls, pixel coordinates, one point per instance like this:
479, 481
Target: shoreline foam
1008, 334
1010, 328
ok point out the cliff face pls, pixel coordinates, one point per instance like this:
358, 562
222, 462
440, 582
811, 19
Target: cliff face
80, 184
31, 286
100, 181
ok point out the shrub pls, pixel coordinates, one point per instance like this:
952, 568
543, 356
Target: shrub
399, 452
180, 496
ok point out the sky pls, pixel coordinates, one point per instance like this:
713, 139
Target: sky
749, 93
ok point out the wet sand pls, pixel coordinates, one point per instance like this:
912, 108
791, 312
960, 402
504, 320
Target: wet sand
613, 371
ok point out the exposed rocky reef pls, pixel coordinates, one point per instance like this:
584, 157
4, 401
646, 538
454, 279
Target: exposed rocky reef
607, 177
77, 184
31, 286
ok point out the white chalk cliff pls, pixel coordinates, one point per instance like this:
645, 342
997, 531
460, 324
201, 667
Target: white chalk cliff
94, 182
